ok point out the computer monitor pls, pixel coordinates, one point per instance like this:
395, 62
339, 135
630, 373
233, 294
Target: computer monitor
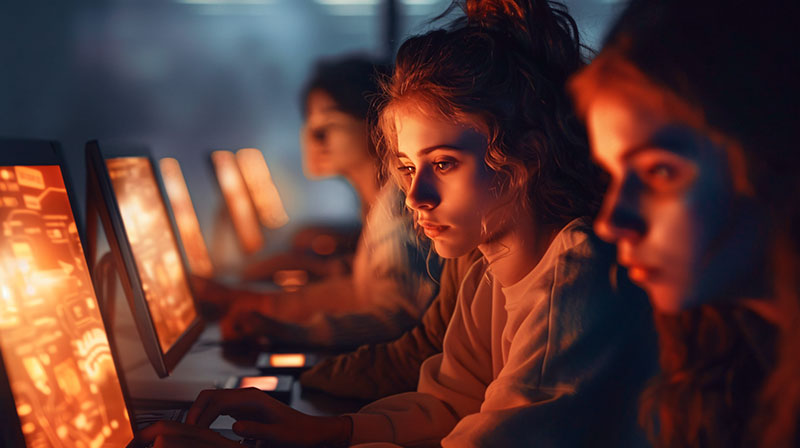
185, 218
262, 189
237, 200
123, 189
59, 384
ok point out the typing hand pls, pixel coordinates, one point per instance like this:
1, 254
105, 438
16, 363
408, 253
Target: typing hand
167, 434
264, 418
252, 325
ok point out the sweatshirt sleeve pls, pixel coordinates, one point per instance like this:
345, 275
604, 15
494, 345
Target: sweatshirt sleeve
573, 377
451, 386
393, 367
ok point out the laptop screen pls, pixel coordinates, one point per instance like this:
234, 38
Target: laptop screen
155, 250
237, 199
57, 358
261, 187
186, 218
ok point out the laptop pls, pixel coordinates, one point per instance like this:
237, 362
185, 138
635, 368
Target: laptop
59, 383
191, 237
238, 202
124, 192
261, 187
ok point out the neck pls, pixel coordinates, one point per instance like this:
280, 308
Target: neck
518, 249
364, 179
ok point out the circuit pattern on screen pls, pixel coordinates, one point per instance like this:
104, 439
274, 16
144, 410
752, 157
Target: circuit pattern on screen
237, 199
158, 261
55, 349
186, 218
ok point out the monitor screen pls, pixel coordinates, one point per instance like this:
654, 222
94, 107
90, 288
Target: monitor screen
54, 346
186, 218
261, 187
237, 199
155, 250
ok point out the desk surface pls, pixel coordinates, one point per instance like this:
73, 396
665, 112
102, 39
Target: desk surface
208, 365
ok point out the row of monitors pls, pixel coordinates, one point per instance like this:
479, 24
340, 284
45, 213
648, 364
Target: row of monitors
59, 380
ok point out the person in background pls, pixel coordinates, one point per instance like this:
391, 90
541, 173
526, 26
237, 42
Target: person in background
394, 275
692, 108
543, 347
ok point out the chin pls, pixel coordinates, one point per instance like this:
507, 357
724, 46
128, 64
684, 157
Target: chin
667, 299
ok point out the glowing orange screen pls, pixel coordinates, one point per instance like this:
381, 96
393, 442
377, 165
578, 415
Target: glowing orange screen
65, 386
155, 250
237, 199
287, 360
265, 383
186, 218
262, 189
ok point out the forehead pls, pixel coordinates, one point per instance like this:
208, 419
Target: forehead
418, 130
620, 123
321, 105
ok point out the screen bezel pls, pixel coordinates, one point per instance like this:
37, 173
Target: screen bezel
229, 207
30, 153
103, 202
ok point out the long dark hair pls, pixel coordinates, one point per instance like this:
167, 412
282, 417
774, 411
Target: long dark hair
735, 65
507, 63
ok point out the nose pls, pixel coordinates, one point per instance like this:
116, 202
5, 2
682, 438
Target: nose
621, 217
422, 194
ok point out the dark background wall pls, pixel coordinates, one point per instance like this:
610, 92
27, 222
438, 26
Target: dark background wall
186, 76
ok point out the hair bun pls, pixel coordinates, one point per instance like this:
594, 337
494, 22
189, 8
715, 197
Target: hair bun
493, 13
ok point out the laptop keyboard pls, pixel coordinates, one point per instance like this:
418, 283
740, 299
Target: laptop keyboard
144, 419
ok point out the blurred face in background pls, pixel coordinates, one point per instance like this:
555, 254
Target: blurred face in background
677, 207
333, 143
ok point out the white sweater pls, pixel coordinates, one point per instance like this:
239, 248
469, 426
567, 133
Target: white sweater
557, 359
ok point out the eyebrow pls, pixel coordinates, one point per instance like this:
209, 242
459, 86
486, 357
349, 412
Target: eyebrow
430, 149
672, 139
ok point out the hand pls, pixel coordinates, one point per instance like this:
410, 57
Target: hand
179, 435
261, 417
212, 294
266, 269
252, 325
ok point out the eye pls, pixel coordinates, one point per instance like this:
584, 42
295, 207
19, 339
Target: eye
662, 172
319, 134
444, 166
406, 170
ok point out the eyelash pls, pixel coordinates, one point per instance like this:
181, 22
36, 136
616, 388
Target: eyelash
662, 171
442, 166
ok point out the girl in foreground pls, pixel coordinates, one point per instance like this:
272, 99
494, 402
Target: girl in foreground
541, 349
692, 107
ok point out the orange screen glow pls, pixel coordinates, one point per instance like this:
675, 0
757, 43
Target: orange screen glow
265, 383
238, 201
262, 189
287, 360
155, 250
186, 218
54, 345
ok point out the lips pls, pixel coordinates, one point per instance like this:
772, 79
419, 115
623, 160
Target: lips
432, 229
640, 273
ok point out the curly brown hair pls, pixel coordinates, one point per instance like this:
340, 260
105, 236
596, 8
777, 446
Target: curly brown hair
505, 64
